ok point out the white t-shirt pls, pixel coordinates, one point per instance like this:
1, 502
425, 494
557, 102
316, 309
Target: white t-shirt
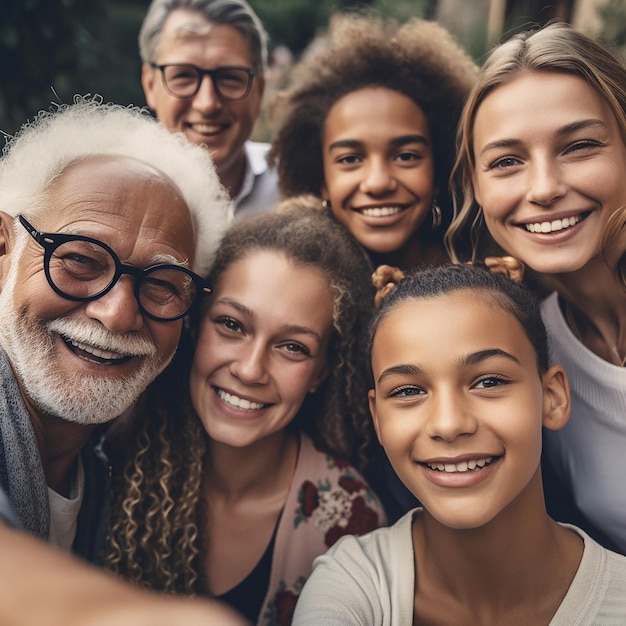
589, 453
369, 581
259, 192
64, 511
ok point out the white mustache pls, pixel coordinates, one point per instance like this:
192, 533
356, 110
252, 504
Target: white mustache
94, 334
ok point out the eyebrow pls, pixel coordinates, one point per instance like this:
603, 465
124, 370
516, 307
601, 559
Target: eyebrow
287, 328
394, 142
561, 132
471, 359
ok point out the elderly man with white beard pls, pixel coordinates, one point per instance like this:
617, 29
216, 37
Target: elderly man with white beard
107, 224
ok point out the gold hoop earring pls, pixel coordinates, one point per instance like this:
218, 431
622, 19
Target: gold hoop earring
437, 216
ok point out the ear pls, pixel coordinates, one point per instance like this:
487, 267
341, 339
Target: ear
324, 192
148, 80
371, 397
556, 398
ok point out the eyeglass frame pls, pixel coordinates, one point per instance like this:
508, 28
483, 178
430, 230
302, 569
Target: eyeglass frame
201, 74
51, 241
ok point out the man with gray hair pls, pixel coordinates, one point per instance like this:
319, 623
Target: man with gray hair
106, 218
203, 75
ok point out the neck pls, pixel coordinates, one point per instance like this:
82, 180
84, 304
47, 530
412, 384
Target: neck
264, 467
519, 558
593, 301
60, 443
415, 253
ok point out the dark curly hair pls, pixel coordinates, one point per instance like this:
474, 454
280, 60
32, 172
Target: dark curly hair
158, 531
419, 59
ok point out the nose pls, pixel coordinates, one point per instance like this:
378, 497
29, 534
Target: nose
545, 183
378, 178
249, 364
207, 100
449, 417
117, 309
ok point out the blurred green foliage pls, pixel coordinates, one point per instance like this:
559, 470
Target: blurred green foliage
51, 50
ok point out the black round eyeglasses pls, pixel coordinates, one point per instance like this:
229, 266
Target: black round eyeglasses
82, 268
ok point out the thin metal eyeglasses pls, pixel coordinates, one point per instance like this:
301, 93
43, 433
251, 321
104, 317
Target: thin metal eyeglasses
183, 80
81, 268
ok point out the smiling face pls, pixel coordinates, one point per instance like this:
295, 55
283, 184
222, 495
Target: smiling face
458, 405
262, 347
86, 362
549, 172
206, 119
378, 167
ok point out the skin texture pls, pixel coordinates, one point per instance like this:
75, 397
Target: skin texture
129, 206
260, 353
548, 148
71, 593
456, 381
221, 126
387, 165
442, 401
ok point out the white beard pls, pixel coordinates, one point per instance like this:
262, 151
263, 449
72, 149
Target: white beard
83, 399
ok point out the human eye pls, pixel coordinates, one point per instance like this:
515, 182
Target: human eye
406, 391
295, 350
503, 163
490, 381
348, 159
583, 146
409, 157
81, 261
181, 74
228, 324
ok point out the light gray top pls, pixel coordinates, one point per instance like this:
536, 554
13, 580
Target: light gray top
369, 580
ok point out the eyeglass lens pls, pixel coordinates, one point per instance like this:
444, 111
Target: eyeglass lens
82, 269
184, 80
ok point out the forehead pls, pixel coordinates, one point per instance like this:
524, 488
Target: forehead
126, 203
263, 278
445, 327
375, 109
539, 102
189, 33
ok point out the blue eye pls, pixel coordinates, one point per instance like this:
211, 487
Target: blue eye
406, 392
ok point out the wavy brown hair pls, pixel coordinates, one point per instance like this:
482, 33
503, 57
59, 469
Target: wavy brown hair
158, 532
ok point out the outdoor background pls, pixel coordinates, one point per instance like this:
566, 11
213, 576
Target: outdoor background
51, 50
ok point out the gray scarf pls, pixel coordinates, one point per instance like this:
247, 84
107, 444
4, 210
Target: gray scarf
21, 472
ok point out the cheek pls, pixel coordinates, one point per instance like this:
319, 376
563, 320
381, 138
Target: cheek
166, 336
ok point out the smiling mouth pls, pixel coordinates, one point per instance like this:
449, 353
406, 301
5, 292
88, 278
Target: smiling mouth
383, 211
94, 354
207, 129
465, 466
555, 225
239, 403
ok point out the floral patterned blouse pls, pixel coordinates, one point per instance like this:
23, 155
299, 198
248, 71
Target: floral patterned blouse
327, 499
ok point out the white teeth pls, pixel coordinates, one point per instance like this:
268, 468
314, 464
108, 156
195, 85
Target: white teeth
102, 354
463, 466
206, 129
554, 225
239, 403
381, 211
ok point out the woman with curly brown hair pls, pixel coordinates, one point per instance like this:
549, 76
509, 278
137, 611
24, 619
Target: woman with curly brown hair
368, 126
239, 467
